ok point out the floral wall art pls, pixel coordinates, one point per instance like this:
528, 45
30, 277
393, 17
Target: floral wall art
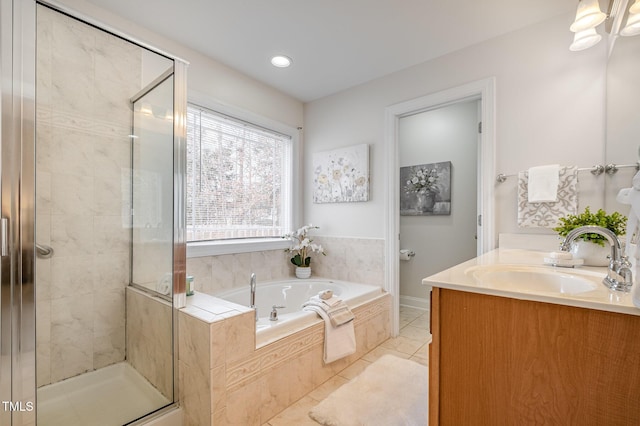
341, 175
425, 189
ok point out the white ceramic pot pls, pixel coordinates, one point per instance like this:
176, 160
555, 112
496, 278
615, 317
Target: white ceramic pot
592, 253
303, 271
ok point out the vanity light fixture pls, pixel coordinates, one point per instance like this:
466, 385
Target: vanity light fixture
633, 21
281, 61
588, 16
585, 39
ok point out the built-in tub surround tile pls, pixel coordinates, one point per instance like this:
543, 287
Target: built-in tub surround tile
194, 396
360, 260
214, 274
254, 387
194, 369
240, 336
349, 259
191, 332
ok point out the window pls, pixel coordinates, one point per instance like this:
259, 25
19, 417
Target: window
238, 179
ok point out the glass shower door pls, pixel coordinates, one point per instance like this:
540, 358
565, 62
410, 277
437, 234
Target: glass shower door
104, 204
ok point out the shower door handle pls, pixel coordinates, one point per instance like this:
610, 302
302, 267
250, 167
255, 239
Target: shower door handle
4, 242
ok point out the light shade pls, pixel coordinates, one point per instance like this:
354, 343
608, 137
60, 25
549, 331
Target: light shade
585, 39
635, 8
633, 25
281, 61
588, 16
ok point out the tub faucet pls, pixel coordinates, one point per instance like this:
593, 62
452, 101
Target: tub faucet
619, 276
252, 283
274, 312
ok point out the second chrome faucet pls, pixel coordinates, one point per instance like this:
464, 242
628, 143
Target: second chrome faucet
619, 276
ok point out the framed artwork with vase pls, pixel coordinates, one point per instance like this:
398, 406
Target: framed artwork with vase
425, 189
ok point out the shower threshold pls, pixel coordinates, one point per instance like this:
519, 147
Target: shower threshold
110, 396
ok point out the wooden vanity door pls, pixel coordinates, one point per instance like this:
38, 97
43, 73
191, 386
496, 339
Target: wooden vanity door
501, 361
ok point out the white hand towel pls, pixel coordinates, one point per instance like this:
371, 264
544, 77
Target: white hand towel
338, 341
543, 183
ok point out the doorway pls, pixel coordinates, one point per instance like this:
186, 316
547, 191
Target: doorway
481, 91
438, 158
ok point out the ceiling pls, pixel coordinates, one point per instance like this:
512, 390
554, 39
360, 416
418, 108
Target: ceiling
334, 44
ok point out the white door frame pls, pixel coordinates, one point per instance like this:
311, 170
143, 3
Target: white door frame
481, 89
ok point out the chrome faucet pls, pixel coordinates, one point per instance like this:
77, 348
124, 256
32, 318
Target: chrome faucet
252, 302
619, 276
252, 283
274, 312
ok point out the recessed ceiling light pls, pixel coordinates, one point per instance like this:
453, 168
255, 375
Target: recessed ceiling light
281, 61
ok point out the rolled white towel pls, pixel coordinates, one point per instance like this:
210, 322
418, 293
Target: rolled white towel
325, 294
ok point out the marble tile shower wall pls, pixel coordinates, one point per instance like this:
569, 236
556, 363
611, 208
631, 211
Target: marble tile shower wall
84, 81
349, 259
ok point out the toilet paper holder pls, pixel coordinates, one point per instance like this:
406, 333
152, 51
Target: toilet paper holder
406, 254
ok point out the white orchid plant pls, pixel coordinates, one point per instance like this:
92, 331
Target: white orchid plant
303, 246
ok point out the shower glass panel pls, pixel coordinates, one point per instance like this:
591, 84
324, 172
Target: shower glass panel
152, 230
104, 206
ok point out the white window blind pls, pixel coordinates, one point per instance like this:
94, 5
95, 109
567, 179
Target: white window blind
238, 178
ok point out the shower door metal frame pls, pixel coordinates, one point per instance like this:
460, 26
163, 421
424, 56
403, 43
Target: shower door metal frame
17, 204
17, 244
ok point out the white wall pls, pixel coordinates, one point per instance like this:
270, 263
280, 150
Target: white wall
445, 134
207, 77
549, 109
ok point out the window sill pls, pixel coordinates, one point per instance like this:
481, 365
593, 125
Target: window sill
216, 248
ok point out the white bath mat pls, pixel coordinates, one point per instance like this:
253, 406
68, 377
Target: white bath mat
391, 392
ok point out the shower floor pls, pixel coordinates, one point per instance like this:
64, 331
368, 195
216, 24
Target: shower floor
110, 396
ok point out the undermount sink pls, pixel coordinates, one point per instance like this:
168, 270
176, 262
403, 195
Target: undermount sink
535, 279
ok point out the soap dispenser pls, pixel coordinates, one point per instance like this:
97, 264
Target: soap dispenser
190, 285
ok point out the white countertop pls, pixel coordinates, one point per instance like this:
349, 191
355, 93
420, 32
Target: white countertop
461, 277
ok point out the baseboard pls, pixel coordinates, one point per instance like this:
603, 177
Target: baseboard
415, 302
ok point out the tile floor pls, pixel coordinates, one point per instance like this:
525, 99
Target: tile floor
412, 343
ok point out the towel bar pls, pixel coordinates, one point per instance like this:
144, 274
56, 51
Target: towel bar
596, 170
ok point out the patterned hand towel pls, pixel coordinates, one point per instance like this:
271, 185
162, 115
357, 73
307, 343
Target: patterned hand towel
546, 215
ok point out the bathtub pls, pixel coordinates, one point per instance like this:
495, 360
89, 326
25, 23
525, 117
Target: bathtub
292, 294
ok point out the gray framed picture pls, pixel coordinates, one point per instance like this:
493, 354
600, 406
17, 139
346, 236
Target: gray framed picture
425, 189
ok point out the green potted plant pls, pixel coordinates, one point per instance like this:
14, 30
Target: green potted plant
302, 248
592, 247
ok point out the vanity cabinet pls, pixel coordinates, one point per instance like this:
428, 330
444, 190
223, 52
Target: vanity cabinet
495, 361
